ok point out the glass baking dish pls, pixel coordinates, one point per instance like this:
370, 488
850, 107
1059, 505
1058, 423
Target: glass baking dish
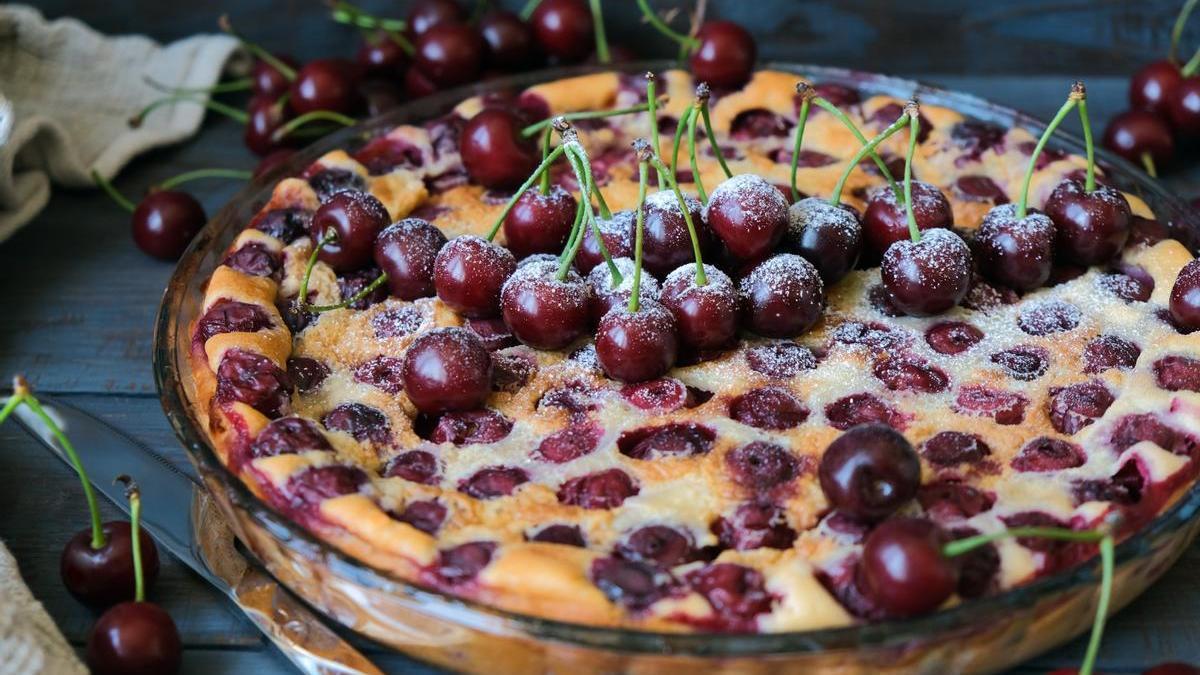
984, 635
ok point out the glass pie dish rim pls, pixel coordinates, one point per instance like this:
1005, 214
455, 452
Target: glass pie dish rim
172, 369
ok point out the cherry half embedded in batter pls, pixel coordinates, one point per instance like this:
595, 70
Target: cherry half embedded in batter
932, 272
447, 369
869, 472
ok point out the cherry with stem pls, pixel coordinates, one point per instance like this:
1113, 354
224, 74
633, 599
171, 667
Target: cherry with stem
807, 94
719, 52
259, 53
330, 237
296, 123
703, 93
580, 163
692, 161
1074, 99
673, 185
164, 222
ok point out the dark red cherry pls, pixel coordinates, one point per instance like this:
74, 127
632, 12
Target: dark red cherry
1104, 352
510, 41
885, 221
903, 570
543, 311
761, 466
362, 422
1016, 253
637, 346
134, 638
381, 56
425, 14
1090, 227
165, 221
828, 236
772, 408
327, 182
783, 296
494, 152
869, 472
406, 251
726, 55
357, 218
606, 489
617, 234
1183, 107
540, 223
952, 337
449, 54
657, 545
755, 525
468, 273
706, 317
447, 369
927, 277
606, 297
666, 241
564, 29
266, 116
104, 576
1173, 668
1075, 407
558, 533
325, 84
748, 214
1136, 132
1185, 297
1046, 453
1153, 85
269, 82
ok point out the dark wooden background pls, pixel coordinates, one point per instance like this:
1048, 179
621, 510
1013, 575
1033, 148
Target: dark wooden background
79, 299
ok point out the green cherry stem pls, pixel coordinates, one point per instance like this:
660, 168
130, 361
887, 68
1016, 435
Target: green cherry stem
602, 54
1148, 165
1107, 565
644, 155
312, 116
576, 233
344, 12
703, 93
576, 148
868, 148
841, 116
701, 277
652, 108
806, 94
528, 9
1177, 29
512, 201
24, 394
914, 128
229, 111
680, 128
241, 84
1193, 64
331, 235
113, 192
583, 175
534, 128
1089, 144
263, 55
695, 164
544, 184
653, 19
10, 405
1071, 102
134, 495
175, 181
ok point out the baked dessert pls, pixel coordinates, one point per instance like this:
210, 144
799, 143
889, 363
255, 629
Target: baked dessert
414, 431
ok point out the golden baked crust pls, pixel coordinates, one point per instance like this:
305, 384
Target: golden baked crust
481, 547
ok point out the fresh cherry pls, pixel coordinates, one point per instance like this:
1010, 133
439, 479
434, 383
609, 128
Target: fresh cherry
1091, 227
724, 56
606, 296
564, 29
356, 218
468, 273
748, 214
134, 638
265, 117
494, 152
325, 84
1183, 107
510, 41
165, 221
667, 244
381, 56
447, 369
869, 472
617, 234
449, 54
828, 236
903, 569
929, 276
103, 576
637, 346
1016, 253
542, 310
885, 221
783, 296
1136, 134
425, 14
1152, 87
406, 251
267, 81
540, 223
1185, 297
706, 317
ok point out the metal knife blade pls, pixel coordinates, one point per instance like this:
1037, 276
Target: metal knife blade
173, 502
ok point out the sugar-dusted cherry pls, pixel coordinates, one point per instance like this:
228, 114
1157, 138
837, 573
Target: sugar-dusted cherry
468, 273
1185, 297
616, 233
706, 316
1018, 253
356, 219
493, 150
827, 235
748, 214
667, 242
783, 296
903, 569
544, 309
606, 295
634, 346
885, 221
564, 28
869, 472
929, 276
406, 251
447, 369
449, 54
540, 223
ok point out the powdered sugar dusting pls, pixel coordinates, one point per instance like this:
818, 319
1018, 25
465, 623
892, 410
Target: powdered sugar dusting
600, 279
817, 212
785, 274
569, 292
756, 197
665, 200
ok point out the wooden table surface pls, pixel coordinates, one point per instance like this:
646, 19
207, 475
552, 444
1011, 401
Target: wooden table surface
77, 320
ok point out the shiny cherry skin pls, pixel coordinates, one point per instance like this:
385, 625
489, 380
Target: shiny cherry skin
381, 56
637, 346
449, 54
748, 214
828, 236
165, 221
134, 638
903, 570
564, 29
268, 82
425, 14
543, 311
417, 83
1183, 107
869, 472
406, 251
468, 273
540, 223
726, 55
666, 242
885, 221
265, 116
511, 44
1134, 133
1090, 227
103, 577
927, 277
1152, 86
706, 317
1185, 297
494, 152
783, 296
325, 84
1015, 253
447, 369
357, 218
617, 234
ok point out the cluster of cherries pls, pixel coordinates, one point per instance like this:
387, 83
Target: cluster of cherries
437, 45
1164, 107
110, 566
